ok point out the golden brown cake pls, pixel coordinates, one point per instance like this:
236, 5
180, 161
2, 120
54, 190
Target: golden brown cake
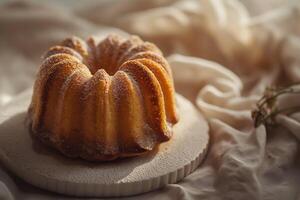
101, 101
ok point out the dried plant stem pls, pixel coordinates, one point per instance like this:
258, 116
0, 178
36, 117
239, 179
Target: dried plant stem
266, 109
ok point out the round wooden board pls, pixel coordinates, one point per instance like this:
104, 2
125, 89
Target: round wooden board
48, 169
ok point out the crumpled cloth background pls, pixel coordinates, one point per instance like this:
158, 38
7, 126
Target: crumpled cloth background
223, 56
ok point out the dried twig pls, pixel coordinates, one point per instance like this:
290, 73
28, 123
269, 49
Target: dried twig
266, 108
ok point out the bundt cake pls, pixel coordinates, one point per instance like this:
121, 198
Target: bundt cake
103, 100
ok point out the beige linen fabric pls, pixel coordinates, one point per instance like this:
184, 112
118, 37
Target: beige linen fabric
222, 59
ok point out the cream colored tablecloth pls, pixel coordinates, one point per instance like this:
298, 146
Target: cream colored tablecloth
222, 55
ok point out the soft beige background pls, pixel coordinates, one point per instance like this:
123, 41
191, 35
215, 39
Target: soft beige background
223, 55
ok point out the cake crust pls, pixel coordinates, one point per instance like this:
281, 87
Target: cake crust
101, 101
